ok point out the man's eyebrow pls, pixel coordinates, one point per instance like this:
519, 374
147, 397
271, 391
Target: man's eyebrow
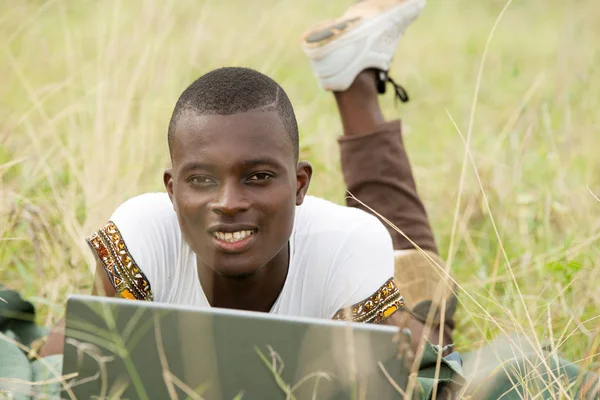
261, 161
192, 165
246, 164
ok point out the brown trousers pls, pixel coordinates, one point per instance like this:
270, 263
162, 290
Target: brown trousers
377, 172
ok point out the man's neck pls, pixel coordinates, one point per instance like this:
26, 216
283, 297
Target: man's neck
257, 292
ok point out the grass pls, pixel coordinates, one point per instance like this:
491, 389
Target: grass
88, 88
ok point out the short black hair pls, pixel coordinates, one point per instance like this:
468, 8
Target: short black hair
232, 90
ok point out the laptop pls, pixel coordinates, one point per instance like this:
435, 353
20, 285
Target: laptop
116, 348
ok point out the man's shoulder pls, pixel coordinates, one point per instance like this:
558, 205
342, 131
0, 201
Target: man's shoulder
147, 201
345, 253
323, 215
139, 245
145, 216
153, 206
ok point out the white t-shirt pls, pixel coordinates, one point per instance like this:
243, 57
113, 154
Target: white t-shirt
339, 257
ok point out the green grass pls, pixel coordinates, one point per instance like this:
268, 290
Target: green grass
87, 90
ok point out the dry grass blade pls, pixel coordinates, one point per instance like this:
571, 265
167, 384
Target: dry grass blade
391, 380
40, 383
168, 377
592, 193
62, 380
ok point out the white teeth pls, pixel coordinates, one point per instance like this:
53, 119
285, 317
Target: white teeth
232, 237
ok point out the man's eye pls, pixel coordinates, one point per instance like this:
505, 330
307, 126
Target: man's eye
261, 176
201, 180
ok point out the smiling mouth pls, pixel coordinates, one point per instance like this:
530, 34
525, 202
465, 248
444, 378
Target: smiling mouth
233, 237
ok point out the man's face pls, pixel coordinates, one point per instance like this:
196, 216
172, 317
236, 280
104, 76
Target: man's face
234, 186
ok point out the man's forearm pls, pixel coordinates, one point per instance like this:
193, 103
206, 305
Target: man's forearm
418, 329
55, 342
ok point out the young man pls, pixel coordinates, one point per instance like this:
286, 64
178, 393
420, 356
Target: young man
235, 228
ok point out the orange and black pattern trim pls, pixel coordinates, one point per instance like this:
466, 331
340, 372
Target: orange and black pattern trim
375, 309
124, 274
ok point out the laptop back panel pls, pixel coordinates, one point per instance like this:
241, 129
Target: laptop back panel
142, 350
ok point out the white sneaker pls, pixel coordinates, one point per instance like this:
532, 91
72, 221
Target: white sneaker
366, 36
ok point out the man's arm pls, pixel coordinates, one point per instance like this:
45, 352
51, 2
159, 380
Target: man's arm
418, 330
55, 342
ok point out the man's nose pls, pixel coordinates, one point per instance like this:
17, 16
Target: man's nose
229, 199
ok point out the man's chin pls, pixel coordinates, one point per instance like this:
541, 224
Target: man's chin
234, 268
238, 276
237, 272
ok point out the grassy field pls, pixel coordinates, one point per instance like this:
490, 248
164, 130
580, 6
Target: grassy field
87, 90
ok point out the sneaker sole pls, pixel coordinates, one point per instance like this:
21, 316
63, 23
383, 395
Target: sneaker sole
347, 29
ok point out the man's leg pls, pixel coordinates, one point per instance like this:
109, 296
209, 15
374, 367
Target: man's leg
377, 173
345, 54
376, 167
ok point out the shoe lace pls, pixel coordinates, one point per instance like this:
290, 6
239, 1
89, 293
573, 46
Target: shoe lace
383, 78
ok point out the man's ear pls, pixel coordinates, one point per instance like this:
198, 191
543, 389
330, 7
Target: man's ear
168, 181
303, 175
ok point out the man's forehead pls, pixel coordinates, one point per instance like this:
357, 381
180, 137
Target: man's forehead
251, 131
